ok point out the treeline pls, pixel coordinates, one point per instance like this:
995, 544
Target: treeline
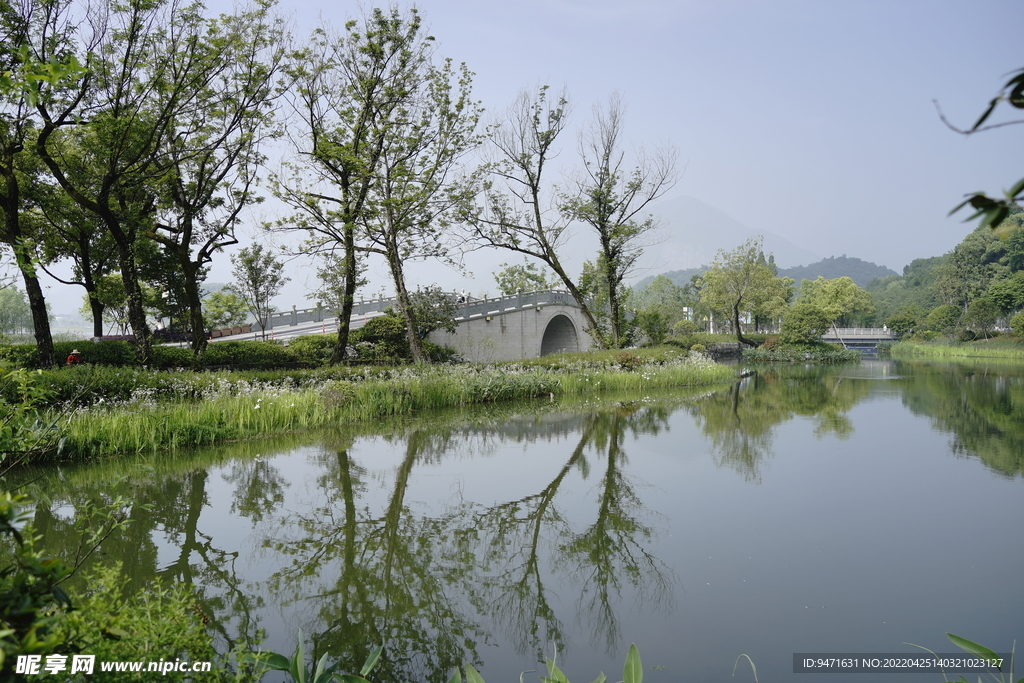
133, 137
968, 292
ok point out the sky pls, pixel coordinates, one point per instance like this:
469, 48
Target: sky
812, 120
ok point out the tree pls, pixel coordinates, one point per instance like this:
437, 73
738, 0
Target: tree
383, 128
610, 199
15, 315
223, 308
903, 322
518, 209
804, 323
432, 309
258, 279
1008, 294
152, 68
521, 211
212, 162
527, 277
982, 315
34, 56
840, 298
944, 318
741, 281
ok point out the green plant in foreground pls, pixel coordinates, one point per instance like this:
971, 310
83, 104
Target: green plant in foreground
981, 652
632, 671
322, 673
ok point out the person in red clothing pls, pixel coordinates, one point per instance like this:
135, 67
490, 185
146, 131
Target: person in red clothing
74, 358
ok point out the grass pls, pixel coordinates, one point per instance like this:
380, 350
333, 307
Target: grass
223, 411
1007, 348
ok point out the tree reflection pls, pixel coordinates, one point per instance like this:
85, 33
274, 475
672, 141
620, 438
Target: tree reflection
740, 421
983, 409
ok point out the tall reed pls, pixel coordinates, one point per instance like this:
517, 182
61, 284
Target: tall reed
146, 425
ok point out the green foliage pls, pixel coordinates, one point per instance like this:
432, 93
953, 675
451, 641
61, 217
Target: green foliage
982, 315
684, 327
742, 281
1017, 324
944, 318
247, 354
818, 352
32, 603
994, 211
259, 277
170, 357
312, 351
15, 315
528, 277
295, 666
840, 299
223, 308
804, 323
432, 309
654, 324
1008, 293
903, 323
381, 338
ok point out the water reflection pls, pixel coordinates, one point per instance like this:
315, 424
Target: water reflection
428, 585
346, 548
740, 422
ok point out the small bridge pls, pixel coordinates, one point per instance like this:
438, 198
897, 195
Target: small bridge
524, 325
865, 339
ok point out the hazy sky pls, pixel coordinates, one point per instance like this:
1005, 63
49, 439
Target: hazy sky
811, 119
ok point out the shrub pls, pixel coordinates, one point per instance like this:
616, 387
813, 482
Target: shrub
804, 323
629, 362
684, 327
313, 350
1017, 323
943, 318
173, 357
381, 338
247, 354
772, 343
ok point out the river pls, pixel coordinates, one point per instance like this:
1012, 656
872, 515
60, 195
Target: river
804, 509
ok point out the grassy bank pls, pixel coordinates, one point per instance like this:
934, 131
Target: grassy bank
1003, 348
222, 411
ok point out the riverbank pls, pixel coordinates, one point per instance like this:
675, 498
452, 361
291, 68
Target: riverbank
1010, 348
209, 412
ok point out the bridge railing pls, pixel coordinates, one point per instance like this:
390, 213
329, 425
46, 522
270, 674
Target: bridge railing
475, 307
875, 332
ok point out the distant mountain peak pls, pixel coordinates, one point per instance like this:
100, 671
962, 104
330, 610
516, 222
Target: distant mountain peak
693, 232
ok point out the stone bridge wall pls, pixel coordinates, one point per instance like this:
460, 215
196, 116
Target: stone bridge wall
514, 334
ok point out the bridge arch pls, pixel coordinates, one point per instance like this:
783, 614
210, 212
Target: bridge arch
559, 336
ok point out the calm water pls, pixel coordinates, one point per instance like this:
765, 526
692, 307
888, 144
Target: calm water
804, 509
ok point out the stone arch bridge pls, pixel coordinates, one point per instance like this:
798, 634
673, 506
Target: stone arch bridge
515, 327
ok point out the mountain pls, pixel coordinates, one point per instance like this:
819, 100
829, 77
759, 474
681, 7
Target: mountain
693, 232
856, 269
861, 272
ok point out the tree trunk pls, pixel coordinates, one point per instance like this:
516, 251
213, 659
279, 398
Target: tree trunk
348, 299
11, 205
412, 330
739, 330
195, 304
133, 290
40, 317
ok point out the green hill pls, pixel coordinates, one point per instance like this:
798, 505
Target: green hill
861, 272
